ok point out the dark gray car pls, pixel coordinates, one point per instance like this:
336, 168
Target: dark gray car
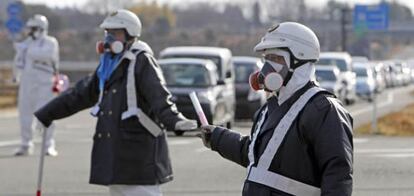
184, 75
248, 101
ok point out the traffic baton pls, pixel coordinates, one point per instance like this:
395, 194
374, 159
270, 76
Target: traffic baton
42, 158
198, 108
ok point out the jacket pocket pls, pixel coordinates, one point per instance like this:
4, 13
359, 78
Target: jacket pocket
133, 134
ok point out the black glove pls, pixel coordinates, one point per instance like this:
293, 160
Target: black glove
205, 135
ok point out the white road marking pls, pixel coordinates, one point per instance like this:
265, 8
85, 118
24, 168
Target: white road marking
389, 101
397, 155
384, 150
180, 142
9, 143
360, 140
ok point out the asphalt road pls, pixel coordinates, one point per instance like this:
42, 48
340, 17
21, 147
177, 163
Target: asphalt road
383, 165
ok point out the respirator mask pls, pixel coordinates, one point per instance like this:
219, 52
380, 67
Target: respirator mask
273, 75
109, 45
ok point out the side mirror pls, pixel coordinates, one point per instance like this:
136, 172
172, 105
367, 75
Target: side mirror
220, 82
228, 74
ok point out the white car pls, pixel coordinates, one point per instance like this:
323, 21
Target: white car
365, 86
328, 78
343, 61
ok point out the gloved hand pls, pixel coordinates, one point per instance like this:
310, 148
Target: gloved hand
37, 125
185, 125
205, 135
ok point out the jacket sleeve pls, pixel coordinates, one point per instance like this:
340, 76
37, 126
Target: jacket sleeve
330, 135
152, 87
231, 145
83, 95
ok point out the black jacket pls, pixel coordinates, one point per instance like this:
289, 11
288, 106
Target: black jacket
317, 149
124, 152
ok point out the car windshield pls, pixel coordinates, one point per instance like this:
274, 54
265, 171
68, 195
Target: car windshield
186, 75
341, 64
361, 72
216, 60
325, 75
243, 71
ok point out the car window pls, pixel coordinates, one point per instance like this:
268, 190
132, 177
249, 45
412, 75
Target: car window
186, 75
361, 72
216, 60
325, 75
341, 64
243, 71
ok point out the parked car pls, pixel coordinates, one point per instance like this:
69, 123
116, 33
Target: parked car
225, 69
365, 86
344, 63
379, 76
248, 101
405, 72
390, 77
328, 78
360, 59
184, 75
396, 74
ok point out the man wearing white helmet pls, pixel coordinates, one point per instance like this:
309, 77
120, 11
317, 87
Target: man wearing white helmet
128, 96
36, 60
301, 139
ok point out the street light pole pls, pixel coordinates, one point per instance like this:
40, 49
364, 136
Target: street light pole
344, 23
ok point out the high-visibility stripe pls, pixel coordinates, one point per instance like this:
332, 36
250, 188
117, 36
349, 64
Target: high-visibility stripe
282, 183
253, 139
132, 109
261, 173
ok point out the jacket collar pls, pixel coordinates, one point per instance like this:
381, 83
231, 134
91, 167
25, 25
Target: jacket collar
274, 117
300, 77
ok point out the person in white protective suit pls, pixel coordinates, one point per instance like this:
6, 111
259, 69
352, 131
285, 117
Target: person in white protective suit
36, 63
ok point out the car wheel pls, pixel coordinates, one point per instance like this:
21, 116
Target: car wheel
179, 133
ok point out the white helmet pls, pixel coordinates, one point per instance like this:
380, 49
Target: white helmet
299, 39
38, 21
123, 19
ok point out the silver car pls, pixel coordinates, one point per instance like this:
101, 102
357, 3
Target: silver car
328, 78
365, 86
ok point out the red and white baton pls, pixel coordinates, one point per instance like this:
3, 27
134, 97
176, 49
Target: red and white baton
198, 108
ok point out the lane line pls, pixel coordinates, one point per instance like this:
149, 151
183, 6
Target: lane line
384, 150
360, 140
9, 143
180, 142
398, 155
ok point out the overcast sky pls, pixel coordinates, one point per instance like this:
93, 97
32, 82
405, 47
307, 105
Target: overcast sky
313, 3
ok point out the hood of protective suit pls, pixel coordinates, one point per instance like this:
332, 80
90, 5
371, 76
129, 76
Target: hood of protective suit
300, 77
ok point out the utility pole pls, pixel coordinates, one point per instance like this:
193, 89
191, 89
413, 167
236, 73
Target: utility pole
344, 23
